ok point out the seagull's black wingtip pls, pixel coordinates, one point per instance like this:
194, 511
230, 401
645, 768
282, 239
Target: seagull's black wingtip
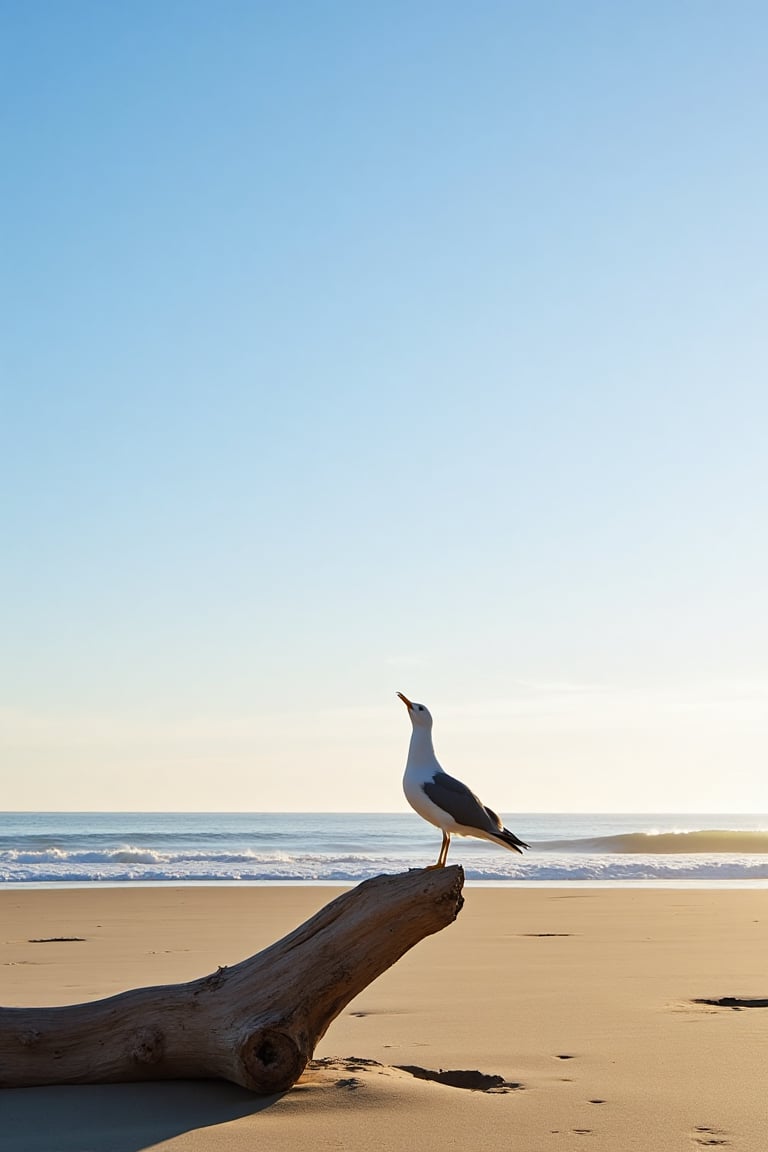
511, 841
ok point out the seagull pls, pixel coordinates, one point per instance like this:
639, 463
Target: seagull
443, 800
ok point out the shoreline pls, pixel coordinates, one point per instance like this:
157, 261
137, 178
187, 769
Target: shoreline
705, 884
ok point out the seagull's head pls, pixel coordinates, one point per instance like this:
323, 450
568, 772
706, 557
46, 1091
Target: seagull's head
419, 713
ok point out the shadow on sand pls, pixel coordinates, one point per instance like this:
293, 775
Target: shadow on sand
118, 1117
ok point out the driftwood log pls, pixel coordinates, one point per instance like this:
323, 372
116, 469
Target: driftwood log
255, 1023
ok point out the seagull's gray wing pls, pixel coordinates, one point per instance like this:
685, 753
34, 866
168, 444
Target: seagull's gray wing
462, 804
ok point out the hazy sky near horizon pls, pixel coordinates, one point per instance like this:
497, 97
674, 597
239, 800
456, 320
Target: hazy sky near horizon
350, 349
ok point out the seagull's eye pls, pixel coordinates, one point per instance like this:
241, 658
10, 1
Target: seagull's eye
421, 709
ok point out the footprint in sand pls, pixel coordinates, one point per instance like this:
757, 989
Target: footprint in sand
543, 935
709, 1137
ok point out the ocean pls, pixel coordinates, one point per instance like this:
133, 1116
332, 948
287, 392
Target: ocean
68, 848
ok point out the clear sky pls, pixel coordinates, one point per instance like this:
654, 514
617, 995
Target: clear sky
353, 348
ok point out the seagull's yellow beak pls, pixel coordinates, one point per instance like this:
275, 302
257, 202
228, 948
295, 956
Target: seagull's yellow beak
406, 701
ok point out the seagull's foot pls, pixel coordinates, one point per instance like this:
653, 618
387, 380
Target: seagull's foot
431, 867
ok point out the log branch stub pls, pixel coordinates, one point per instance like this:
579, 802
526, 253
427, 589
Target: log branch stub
257, 1022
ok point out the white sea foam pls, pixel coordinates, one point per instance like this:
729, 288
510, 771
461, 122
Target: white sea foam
130, 865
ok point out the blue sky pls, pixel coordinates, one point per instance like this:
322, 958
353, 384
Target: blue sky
350, 349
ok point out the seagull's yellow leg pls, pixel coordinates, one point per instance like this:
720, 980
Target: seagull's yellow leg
443, 853
444, 849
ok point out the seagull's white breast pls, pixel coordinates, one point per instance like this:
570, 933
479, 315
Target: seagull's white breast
420, 769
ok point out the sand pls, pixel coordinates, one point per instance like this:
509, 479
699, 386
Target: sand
585, 998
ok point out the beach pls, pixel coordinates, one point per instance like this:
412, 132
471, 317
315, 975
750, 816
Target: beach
583, 1002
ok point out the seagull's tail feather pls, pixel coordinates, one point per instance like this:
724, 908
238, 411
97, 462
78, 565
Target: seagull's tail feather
503, 835
511, 841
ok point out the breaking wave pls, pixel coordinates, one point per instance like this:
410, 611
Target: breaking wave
665, 843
